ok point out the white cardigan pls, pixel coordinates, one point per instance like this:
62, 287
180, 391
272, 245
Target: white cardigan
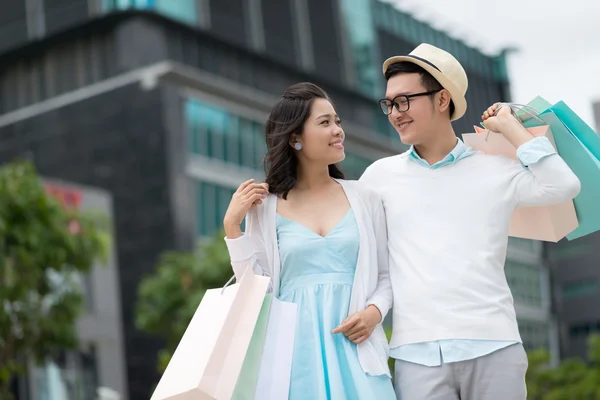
258, 248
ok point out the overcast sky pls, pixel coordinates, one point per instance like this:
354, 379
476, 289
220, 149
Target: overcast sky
559, 47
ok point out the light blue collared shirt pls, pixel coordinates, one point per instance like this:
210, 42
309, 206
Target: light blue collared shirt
436, 353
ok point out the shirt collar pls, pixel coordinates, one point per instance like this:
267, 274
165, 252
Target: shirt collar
459, 151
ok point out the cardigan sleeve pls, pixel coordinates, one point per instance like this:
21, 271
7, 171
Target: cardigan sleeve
382, 296
249, 249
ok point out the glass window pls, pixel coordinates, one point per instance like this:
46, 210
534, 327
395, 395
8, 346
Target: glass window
426, 33
380, 123
70, 376
246, 143
181, 10
584, 329
214, 132
256, 135
230, 137
382, 126
379, 12
211, 204
354, 165
399, 22
484, 63
214, 122
578, 289
525, 245
463, 53
524, 281
440, 40
500, 67
388, 21
535, 334
361, 32
571, 250
449, 45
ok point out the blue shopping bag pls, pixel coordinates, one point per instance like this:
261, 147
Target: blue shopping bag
578, 127
579, 146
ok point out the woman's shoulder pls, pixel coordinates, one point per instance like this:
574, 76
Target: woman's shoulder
363, 190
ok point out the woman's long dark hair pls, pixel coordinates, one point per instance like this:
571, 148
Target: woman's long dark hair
287, 118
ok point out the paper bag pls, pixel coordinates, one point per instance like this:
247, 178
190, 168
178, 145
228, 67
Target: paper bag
547, 223
209, 357
246, 383
578, 128
579, 146
276, 364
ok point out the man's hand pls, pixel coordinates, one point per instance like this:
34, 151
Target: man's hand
501, 120
359, 326
498, 120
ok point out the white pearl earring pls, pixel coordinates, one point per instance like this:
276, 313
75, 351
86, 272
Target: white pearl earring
298, 146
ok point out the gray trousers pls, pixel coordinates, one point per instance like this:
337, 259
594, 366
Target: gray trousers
496, 376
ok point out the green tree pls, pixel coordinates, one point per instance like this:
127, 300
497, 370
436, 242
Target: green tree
44, 249
573, 379
168, 298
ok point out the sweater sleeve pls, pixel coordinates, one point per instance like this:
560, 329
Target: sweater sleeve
369, 178
249, 249
546, 180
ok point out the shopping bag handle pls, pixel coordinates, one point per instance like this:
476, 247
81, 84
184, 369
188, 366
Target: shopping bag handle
247, 271
228, 283
514, 108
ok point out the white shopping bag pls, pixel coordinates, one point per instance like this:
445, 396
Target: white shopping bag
276, 363
209, 357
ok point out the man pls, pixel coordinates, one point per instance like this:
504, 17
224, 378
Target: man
448, 208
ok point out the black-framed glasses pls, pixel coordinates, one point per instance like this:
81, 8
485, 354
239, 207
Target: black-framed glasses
402, 102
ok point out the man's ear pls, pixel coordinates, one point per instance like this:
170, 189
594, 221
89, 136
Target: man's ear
444, 100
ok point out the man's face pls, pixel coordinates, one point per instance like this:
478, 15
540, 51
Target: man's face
412, 125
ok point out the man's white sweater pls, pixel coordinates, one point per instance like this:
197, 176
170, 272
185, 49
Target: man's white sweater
448, 234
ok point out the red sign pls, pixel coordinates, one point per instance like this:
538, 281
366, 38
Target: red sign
67, 197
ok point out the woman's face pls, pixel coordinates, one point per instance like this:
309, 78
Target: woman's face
322, 137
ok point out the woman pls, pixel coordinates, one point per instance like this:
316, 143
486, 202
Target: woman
323, 242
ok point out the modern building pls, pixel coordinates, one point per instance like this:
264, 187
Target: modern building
576, 286
161, 104
528, 275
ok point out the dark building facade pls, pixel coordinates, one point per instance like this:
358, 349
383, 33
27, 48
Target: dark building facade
162, 104
576, 287
576, 290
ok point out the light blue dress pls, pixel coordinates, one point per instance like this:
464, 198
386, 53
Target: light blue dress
317, 273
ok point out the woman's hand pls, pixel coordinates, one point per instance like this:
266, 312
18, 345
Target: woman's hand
359, 326
248, 195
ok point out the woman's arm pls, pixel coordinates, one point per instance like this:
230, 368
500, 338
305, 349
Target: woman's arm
382, 296
248, 249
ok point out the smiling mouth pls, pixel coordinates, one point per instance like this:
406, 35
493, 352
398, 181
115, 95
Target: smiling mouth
337, 145
403, 125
